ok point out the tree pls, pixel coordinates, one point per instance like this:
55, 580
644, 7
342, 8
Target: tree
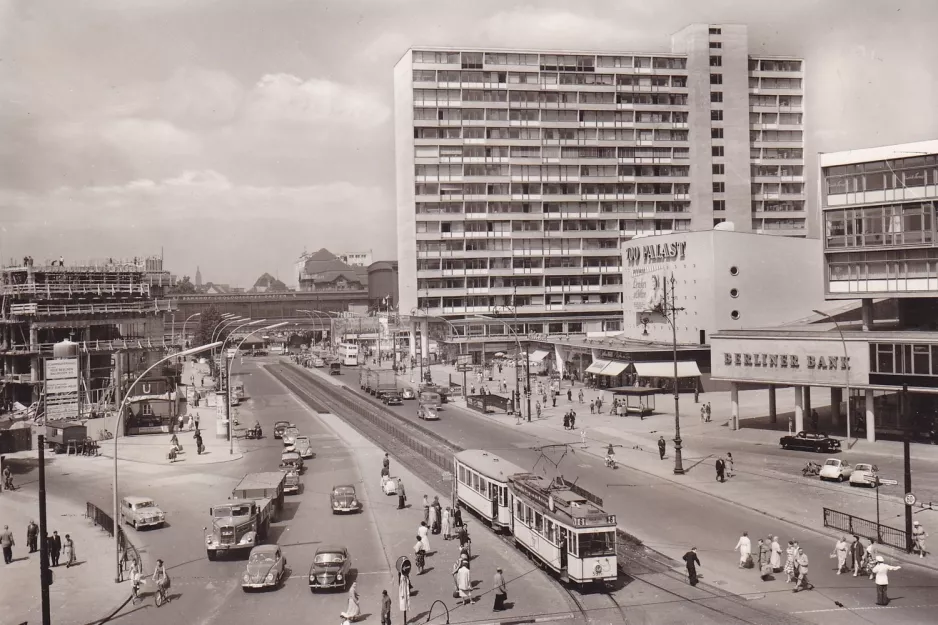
183, 287
209, 322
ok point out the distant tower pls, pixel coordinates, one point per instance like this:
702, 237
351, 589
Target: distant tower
198, 277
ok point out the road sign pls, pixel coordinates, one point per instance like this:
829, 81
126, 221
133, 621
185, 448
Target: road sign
910, 499
882, 482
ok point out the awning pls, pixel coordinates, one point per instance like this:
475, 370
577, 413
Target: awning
665, 369
614, 368
597, 366
539, 355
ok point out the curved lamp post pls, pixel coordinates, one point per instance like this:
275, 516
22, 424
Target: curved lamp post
527, 366
225, 368
326, 315
843, 342
184, 325
319, 316
120, 419
230, 365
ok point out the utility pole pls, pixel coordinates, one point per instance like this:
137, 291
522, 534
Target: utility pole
119, 400
527, 377
678, 463
907, 465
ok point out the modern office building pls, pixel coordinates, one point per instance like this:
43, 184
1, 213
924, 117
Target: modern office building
878, 219
521, 173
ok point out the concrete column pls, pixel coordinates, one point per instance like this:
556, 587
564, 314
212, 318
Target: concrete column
33, 337
734, 404
837, 396
425, 338
807, 401
413, 340
799, 409
870, 417
866, 308
773, 409
559, 357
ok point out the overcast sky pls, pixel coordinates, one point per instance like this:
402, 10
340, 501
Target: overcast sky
232, 134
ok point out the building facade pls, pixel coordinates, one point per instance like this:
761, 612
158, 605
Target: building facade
521, 173
879, 241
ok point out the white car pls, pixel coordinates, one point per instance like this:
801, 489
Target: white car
862, 471
319, 363
836, 470
141, 512
303, 446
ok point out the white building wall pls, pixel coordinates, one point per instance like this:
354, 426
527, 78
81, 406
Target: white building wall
404, 164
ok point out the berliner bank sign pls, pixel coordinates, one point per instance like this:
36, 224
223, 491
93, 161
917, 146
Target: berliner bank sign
784, 360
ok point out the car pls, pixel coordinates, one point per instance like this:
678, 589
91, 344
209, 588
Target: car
279, 427
335, 368
330, 568
428, 412
291, 460
820, 443
835, 470
265, 568
319, 363
291, 483
289, 435
392, 399
141, 512
344, 499
303, 447
408, 393
862, 471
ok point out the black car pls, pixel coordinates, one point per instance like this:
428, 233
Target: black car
392, 398
330, 569
279, 427
807, 441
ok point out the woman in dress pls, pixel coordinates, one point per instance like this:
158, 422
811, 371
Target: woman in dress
423, 534
435, 515
790, 561
426, 510
69, 548
353, 611
776, 559
447, 523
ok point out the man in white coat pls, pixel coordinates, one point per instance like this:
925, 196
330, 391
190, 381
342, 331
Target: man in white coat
744, 546
881, 571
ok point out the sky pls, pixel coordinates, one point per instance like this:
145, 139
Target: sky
234, 134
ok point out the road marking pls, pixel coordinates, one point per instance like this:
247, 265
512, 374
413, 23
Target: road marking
521, 620
870, 607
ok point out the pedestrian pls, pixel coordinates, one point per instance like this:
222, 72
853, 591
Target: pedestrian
696, 394
56, 548
426, 510
803, 582
447, 523
744, 547
840, 553
730, 465
692, 561
7, 542
553, 398
791, 555
776, 555
464, 583
538, 406
32, 534
424, 533
592, 407
572, 419
881, 570
69, 549
386, 463
566, 420
580, 396
435, 514
569, 394
385, 608
857, 552
814, 420
721, 467
703, 413
709, 412
869, 558
401, 495
199, 447
501, 591
919, 536
765, 559
465, 543
420, 555
457, 517
353, 610
662, 446
195, 420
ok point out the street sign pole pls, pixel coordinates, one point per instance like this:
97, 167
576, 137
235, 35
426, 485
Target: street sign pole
907, 465
879, 536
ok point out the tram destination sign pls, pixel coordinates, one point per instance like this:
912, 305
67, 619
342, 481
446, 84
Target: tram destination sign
786, 360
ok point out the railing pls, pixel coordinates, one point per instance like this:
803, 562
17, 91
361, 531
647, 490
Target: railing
128, 552
160, 305
871, 530
69, 288
90, 346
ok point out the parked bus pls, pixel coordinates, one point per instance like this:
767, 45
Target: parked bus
348, 354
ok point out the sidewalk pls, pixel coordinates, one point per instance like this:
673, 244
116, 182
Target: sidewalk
750, 488
80, 594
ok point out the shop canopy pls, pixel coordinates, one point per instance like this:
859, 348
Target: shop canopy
665, 369
597, 366
539, 355
614, 368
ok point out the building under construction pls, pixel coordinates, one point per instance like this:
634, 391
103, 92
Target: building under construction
108, 309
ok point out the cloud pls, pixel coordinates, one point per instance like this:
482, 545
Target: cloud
532, 27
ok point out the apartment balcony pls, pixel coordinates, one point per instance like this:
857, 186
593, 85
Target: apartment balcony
424, 274
777, 179
563, 271
603, 269
771, 143
777, 161
776, 126
761, 73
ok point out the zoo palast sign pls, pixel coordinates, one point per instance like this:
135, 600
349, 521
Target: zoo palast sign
656, 252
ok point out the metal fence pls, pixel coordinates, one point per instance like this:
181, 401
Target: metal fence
871, 530
128, 551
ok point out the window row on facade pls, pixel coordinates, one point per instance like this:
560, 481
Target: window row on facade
480, 266
503, 80
777, 224
796, 154
881, 175
571, 116
520, 226
560, 62
776, 135
785, 171
502, 282
904, 359
545, 136
781, 119
778, 206
775, 188
490, 301
766, 100
610, 190
551, 209
764, 82
774, 65
884, 265
910, 223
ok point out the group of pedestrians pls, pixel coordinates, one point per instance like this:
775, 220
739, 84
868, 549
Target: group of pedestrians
54, 543
725, 467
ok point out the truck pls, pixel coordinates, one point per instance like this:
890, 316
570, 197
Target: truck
385, 382
244, 520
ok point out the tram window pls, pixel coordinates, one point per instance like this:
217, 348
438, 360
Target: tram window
596, 544
462, 474
538, 522
528, 515
550, 531
483, 486
475, 481
519, 513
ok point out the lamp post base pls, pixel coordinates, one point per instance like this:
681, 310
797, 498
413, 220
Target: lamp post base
678, 461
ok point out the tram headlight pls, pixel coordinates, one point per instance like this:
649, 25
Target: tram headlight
598, 569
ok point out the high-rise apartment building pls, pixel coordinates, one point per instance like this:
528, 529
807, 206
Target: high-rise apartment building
520, 173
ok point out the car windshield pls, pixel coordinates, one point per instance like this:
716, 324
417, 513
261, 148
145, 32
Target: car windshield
344, 490
864, 467
290, 432
144, 504
264, 557
329, 558
833, 463
236, 510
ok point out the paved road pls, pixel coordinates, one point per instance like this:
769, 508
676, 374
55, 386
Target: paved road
672, 518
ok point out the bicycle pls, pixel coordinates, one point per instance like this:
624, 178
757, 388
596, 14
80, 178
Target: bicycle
161, 596
106, 435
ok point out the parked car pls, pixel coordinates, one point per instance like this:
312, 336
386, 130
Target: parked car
330, 568
265, 568
141, 512
408, 393
291, 484
835, 470
862, 471
290, 434
290, 460
279, 427
319, 363
303, 447
392, 399
344, 499
820, 443
428, 412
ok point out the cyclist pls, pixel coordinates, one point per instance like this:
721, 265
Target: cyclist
610, 456
162, 580
7, 479
136, 578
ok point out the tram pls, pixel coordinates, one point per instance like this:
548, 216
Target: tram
482, 485
348, 354
568, 534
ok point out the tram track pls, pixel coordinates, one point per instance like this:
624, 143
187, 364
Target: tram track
429, 456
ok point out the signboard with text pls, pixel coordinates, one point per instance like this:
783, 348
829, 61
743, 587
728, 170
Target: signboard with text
61, 389
789, 361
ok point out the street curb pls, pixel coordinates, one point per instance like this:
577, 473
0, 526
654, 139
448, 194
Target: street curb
231, 458
523, 620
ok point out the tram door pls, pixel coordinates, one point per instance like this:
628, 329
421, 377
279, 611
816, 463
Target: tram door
494, 497
563, 549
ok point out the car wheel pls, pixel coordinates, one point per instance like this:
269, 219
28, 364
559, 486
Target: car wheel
840, 478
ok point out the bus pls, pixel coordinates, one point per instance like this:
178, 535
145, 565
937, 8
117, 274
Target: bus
348, 354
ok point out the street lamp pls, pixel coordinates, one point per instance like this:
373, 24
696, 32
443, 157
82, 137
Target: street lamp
319, 316
221, 325
326, 315
230, 365
225, 368
120, 419
527, 366
843, 342
184, 325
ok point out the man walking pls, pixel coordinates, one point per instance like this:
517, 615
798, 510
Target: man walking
501, 593
803, 582
56, 550
32, 533
662, 445
721, 468
881, 570
569, 394
692, 561
385, 608
918, 537
580, 396
7, 542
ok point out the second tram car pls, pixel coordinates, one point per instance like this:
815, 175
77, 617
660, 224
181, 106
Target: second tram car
348, 354
570, 535
482, 485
